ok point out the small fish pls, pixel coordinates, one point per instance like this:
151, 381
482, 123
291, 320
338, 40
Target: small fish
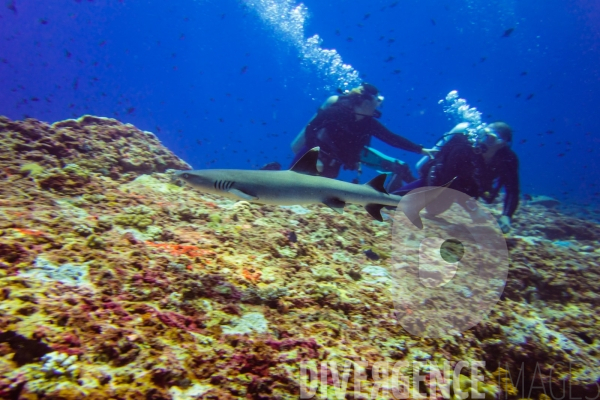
433, 22
11, 6
530, 96
371, 255
244, 69
366, 16
292, 237
389, 59
508, 32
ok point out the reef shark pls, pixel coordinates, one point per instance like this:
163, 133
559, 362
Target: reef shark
301, 185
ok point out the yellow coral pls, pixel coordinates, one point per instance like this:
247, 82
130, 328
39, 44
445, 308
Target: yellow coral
505, 382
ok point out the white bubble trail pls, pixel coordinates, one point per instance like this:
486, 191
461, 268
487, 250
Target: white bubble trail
459, 110
288, 20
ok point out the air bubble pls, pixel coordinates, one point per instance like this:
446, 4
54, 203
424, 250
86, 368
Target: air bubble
288, 20
460, 111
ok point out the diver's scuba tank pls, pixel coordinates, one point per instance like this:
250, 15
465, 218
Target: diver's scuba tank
460, 128
300, 140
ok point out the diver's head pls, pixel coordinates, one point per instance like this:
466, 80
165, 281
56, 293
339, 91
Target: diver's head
503, 130
365, 99
493, 137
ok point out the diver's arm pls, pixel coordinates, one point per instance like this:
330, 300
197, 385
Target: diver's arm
384, 134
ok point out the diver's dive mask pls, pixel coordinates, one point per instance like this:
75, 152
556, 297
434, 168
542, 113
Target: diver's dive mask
370, 92
365, 91
487, 138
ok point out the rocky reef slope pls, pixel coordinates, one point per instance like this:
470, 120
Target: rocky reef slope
115, 283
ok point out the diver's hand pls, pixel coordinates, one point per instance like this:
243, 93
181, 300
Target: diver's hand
429, 152
504, 222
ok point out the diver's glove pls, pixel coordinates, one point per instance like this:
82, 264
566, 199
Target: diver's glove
504, 222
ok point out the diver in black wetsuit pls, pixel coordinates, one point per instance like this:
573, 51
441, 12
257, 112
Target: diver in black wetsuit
481, 170
343, 128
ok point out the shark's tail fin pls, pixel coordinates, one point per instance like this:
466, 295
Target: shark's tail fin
418, 199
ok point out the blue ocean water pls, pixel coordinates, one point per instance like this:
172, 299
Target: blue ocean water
229, 83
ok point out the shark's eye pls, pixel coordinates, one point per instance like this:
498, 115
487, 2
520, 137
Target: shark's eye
185, 176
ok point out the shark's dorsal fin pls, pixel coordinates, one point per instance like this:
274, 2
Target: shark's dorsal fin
307, 164
375, 211
378, 183
242, 195
335, 204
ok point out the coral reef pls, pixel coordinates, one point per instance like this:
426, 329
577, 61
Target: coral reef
117, 283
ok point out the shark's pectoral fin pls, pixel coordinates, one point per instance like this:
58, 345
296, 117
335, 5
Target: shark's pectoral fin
335, 204
378, 183
242, 195
375, 211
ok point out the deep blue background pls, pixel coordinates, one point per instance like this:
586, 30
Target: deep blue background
222, 88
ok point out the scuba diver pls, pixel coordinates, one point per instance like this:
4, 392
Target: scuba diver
343, 127
481, 166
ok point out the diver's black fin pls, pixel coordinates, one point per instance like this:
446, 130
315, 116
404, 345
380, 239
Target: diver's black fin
375, 211
335, 204
378, 183
307, 164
